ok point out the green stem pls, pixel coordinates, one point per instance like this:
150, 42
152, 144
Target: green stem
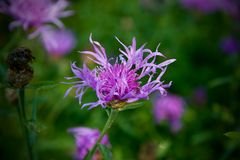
22, 102
111, 119
23, 120
33, 132
19, 110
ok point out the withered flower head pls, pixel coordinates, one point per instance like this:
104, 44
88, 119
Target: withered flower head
20, 72
19, 58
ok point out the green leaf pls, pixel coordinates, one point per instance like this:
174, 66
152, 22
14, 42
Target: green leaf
42, 85
132, 106
106, 153
108, 111
35, 127
219, 81
234, 135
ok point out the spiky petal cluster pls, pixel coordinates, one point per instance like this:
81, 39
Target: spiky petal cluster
85, 140
170, 108
121, 81
34, 13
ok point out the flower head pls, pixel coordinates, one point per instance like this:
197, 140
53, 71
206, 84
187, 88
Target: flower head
34, 13
85, 140
57, 42
121, 81
170, 108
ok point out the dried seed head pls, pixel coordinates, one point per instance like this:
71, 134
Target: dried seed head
19, 58
19, 79
20, 72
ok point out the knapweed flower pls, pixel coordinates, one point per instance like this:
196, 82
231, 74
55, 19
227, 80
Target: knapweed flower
230, 45
85, 140
121, 82
57, 42
169, 108
34, 13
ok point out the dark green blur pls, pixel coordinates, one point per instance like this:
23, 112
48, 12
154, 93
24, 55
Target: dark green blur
190, 37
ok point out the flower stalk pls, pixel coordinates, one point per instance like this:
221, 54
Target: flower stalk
111, 118
23, 120
20, 74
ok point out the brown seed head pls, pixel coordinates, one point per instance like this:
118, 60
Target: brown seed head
20, 72
19, 58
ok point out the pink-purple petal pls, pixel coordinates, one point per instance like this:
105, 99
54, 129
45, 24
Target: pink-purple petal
121, 81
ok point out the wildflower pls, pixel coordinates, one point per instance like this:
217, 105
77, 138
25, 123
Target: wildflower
34, 13
121, 82
57, 42
85, 140
230, 45
170, 108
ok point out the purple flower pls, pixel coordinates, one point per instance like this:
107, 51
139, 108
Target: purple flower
120, 82
170, 108
34, 13
230, 45
206, 6
57, 42
85, 140
231, 7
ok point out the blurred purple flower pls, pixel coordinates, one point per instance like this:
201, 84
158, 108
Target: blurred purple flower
231, 7
206, 6
170, 108
120, 82
230, 45
85, 140
34, 13
57, 42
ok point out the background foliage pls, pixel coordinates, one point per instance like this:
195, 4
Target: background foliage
191, 37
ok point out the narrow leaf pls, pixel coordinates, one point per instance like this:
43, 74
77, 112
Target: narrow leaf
132, 106
219, 81
234, 135
42, 85
106, 153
